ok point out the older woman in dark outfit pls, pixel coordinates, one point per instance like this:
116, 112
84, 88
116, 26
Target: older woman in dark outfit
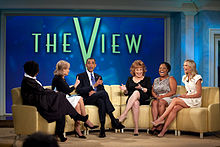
53, 106
138, 89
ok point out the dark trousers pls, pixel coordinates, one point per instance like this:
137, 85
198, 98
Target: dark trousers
60, 124
101, 100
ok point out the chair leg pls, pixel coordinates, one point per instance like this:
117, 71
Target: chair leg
116, 130
148, 131
15, 140
178, 133
122, 130
201, 135
84, 132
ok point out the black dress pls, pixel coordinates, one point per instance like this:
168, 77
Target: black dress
50, 104
61, 85
145, 83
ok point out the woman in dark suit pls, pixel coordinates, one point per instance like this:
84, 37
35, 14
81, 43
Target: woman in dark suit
138, 89
53, 106
59, 83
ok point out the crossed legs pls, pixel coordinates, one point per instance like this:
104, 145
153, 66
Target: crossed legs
171, 111
133, 103
158, 108
80, 108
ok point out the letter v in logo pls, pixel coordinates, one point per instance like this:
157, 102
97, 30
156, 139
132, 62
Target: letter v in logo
86, 54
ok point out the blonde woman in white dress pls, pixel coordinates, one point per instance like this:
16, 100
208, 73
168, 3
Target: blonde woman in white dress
192, 98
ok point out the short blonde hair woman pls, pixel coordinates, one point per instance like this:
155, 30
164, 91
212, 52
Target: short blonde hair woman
192, 98
138, 90
59, 83
60, 67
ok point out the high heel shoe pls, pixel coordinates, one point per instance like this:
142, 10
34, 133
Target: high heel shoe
81, 118
62, 138
117, 125
77, 135
159, 123
87, 126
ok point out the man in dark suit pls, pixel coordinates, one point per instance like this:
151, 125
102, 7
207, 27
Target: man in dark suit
92, 90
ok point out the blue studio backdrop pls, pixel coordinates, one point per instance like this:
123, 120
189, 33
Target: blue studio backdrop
115, 42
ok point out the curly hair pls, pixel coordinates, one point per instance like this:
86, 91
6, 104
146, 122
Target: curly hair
60, 66
137, 64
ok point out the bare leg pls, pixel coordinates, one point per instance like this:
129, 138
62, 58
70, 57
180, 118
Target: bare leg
154, 111
82, 107
77, 123
135, 110
162, 107
83, 111
135, 96
175, 101
170, 118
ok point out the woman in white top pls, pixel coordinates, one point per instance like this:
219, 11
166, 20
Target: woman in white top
192, 98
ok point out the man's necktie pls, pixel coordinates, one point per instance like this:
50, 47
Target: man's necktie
93, 81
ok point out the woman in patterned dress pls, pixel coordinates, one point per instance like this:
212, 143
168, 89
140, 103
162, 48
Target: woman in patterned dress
192, 98
163, 88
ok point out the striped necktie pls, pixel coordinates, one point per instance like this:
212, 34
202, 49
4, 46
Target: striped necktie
93, 81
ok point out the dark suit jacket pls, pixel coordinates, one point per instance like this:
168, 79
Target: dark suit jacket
84, 87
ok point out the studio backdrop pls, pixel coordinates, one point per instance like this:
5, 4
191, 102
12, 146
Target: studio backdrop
115, 42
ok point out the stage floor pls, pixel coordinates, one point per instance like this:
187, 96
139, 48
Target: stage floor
126, 139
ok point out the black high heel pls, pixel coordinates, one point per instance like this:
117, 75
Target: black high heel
81, 118
87, 126
62, 138
77, 135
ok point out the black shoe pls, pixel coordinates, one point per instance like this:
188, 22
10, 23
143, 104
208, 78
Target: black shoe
62, 138
117, 125
77, 135
87, 126
102, 133
81, 118
136, 134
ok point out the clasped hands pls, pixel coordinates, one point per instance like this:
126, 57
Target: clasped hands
98, 82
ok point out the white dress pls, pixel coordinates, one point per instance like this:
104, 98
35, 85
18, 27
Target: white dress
73, 99
190, 86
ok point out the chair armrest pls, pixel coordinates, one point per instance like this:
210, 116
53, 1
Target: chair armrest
213, 117
25, 119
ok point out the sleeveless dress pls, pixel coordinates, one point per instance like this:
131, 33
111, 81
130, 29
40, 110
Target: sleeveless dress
190, 86
162, 88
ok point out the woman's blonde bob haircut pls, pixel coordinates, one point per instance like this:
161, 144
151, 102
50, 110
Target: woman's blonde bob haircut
60, 66
137, 64
192, 65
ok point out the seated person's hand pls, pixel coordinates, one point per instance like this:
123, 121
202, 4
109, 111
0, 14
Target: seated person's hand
92, 92
98, 82
77, 82
123, 87
138, 87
